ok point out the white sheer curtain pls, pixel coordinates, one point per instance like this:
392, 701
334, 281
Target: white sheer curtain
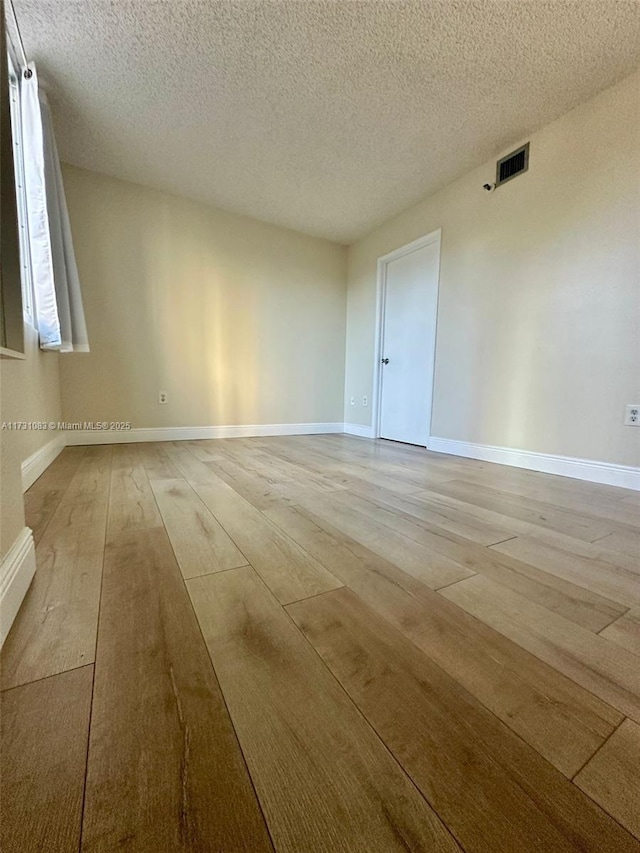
59, 313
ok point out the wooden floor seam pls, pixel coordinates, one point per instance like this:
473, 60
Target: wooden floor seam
604, 742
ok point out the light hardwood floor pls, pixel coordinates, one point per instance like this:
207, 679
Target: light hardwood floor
322, 643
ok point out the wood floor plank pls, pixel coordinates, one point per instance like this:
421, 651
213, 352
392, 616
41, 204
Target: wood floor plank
192, 468
616, 558
272, 472
156, 462
251, 459
575, 603
593, 551
56, 626
625, 631
45, 726
355, 476
577, 495
613, 582
627, 541
589, 550
430, 568
592, 499
324, 779
612, 777
165, 770
335, 549
511, 526
132, 505
265, 463
540, 513
255, 489
600, 666
42, 498
365, 519
450, 518
516, 525
343, 556
199, 541
393, 474
564, 722
383, 451
631, 501
206, 451
288, 570
495, 793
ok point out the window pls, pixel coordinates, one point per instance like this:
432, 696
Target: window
16, 134
41, 266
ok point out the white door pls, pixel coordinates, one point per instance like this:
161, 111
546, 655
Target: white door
408, 341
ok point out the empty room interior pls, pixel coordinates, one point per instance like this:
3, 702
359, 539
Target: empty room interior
320, 426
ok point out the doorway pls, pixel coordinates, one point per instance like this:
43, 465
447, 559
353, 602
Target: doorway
408, 281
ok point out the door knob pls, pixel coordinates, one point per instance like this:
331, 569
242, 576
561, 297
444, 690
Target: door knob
385, 361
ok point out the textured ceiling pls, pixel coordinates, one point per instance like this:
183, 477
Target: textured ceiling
327, 116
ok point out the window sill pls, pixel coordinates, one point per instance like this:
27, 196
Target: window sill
12, 353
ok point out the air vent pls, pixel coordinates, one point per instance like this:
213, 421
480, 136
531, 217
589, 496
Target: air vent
512, 165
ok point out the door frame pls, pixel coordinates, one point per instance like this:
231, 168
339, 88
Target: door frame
381, 296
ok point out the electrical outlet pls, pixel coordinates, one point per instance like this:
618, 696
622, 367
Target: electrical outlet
365, 401
632, 414
162, 397
353, 401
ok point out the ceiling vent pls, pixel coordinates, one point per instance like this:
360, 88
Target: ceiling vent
512, 165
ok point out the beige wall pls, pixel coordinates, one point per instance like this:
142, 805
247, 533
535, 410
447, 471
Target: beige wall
538, 329
240, 322
29, 391
11, 505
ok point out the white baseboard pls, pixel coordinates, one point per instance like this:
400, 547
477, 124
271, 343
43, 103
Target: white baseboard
17, 569
36, 464
359, 430
194, 433
607, 473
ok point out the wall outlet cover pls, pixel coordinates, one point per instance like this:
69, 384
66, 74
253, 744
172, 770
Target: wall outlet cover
632, 414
